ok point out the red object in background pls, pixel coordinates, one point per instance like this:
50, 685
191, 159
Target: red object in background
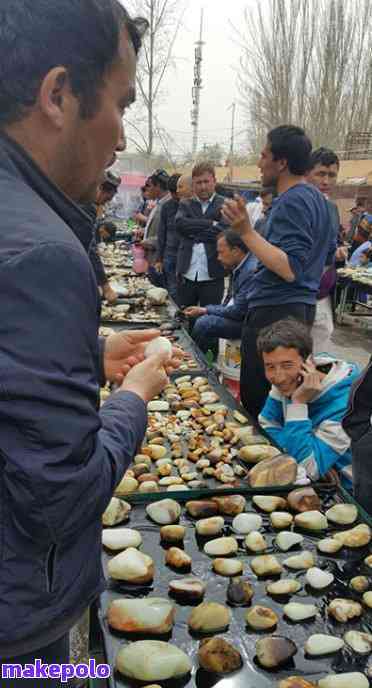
233, 387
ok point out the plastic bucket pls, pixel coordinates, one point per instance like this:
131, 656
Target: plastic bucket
229, 361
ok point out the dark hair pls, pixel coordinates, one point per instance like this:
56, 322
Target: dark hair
288, 333
233, 240
160, 178
290, 143
172, 183
38, 35
109, 187
323, 156
110, 227
267, 191
203, 168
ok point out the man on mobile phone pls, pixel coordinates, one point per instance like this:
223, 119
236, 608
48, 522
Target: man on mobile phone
308, 399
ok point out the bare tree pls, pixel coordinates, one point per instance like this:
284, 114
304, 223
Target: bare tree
164, 17
309, 63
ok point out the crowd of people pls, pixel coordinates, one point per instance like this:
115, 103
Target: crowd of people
67, 77
281, 254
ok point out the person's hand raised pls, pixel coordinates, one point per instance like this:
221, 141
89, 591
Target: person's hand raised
234, 211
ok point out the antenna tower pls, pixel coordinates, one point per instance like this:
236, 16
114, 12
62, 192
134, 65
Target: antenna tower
198, 85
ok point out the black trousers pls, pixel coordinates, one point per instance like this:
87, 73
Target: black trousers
254, 387
56, 653
200, 293
362, 470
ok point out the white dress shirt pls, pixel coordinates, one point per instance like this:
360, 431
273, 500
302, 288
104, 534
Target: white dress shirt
198, 270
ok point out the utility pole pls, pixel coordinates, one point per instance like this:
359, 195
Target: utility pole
198, 85
232, 141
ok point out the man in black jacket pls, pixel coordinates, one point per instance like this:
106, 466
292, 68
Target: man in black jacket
67, 75
199, 222
358, 425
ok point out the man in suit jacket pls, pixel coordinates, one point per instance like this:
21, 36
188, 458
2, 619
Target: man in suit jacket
226, 321
199, 222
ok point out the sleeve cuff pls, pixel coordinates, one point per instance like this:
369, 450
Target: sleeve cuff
297, 412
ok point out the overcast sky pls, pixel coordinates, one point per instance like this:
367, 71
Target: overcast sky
221, 56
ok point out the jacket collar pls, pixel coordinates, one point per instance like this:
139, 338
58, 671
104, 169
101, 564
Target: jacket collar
16, 161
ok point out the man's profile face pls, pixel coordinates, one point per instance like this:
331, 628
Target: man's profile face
93, 142
324, 177
230, 258
270, 168
283, 368
153, 191
204, 186
184, 190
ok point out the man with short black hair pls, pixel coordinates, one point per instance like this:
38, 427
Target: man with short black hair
225, 321
67, 76
291, 258
308, 399
199, 222
323, 172
168, 239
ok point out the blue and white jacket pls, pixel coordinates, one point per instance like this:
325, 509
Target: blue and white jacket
312, 433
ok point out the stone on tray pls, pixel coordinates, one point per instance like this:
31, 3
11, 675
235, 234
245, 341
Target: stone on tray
221, 547
285, 586
344, 610
342, 514
164, 512
269, 504
279, 471
255, 542
360, 536
255, 453
320, 644
359, 642
311, 520
281, 520
202, 509
261, 618
131, 566
286, 540
359, 584
304, 499
116, 512
218, 656
246, 523
305, 560
318, 579
152, 615
118, 539
209, 617
300, 612
266, 565
239, 592
227, 567
177, 558
152, 660
210, 526
230, 506
192, 589
172, 533
350, 680
329, 545
275, 651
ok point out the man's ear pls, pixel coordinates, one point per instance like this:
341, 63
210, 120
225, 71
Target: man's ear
55, 96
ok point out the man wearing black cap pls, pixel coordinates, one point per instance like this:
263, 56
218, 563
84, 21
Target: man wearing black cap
158, 192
